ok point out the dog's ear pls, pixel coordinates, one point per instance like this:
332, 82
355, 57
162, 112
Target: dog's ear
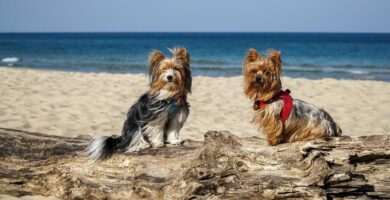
181, 54
155, 57
274, 57
251, 56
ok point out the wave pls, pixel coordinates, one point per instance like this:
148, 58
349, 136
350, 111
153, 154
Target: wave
210, 62
304, 71
124, 67
338, 66
328, 70
10, 60
310, 71
358, 72
95, 67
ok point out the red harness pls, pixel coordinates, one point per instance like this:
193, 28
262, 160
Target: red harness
287, 107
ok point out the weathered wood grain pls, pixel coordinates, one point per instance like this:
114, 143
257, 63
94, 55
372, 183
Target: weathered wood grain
222, 167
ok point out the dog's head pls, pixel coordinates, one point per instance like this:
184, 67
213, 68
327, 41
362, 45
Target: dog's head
262, 75
170, 77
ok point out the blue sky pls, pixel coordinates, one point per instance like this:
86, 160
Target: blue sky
195, 16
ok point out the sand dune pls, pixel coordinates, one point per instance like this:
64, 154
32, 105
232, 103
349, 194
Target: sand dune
69, 103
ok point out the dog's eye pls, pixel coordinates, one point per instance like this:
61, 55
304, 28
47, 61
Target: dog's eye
267, 73
254, 71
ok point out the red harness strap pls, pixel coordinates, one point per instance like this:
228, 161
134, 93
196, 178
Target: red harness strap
287, 107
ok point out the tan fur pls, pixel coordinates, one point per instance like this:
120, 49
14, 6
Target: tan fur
269, 68
306, 121
179, 63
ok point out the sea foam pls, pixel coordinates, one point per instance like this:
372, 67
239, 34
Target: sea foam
10, 59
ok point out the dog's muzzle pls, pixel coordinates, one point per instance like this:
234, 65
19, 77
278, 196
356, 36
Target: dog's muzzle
258, 78
170, 78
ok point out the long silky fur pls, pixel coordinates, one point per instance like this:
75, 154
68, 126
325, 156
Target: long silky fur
149, 119
306, 121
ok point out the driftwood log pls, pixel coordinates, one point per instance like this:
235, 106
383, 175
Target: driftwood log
224, 166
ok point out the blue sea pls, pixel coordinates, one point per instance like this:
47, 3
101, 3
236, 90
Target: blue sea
308, 55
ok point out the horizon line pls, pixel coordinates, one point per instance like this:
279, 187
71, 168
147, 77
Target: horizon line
298, 32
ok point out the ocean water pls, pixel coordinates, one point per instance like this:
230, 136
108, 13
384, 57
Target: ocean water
308, 55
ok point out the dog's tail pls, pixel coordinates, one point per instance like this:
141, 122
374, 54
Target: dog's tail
103, 147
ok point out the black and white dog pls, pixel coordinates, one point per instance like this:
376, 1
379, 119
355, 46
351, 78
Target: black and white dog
159, 114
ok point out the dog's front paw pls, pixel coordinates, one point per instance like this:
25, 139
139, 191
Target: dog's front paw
158, 145
175, 141
273, 141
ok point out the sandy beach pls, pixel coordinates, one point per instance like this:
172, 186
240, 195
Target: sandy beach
73, 103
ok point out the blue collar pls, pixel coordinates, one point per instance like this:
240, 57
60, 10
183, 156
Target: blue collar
174, 107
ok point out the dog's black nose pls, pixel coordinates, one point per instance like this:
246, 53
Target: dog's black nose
258, 78
169, 77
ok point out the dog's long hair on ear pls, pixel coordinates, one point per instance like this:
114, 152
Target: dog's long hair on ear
159, 114
262, 83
